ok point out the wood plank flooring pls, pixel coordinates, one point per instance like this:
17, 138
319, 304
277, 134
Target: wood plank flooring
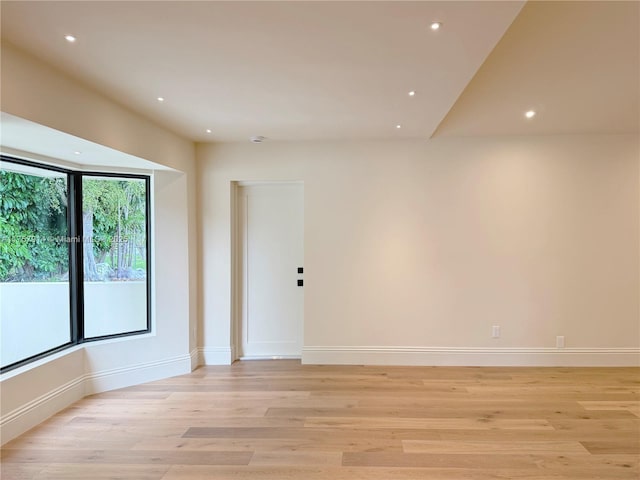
279, 420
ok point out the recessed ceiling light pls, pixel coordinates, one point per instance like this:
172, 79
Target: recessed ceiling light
208, 130
257, 139
161, 99
436, 25
398, 126
530, 114
412, 93
77, 152
70, 38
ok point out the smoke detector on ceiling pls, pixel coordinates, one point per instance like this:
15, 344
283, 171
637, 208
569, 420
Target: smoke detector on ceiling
257, 139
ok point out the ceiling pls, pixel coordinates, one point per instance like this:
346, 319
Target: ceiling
298, 70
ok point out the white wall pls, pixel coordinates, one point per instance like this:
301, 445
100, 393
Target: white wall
41, 94
413, 250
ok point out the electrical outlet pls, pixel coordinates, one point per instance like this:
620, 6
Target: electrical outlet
495, 331
560, 341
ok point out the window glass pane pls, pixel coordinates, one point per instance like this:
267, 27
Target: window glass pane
114, 223
34, 261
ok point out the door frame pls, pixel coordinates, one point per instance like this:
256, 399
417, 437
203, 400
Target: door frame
237, 273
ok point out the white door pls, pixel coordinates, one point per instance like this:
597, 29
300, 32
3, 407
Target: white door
270, 221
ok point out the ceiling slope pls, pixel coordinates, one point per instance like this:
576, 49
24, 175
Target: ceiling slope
577, 64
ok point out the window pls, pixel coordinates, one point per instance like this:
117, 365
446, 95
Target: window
114, 219
74, 258
34, 261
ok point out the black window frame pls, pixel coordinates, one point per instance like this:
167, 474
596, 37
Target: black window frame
76, 274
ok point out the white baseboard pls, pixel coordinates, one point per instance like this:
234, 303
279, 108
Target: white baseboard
106, 380
270, 357
454, 356
215, 356
36, 411
39, 409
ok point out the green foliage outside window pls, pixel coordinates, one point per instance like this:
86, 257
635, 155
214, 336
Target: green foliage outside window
113, 221
33, 228
34, 241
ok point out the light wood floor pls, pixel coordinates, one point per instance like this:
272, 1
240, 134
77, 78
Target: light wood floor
278, 420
